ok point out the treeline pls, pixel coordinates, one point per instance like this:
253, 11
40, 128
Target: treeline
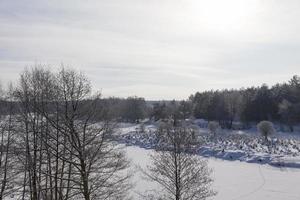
279, 103
134, 109
131, 109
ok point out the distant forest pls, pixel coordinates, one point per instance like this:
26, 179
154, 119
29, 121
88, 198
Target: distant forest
279, 103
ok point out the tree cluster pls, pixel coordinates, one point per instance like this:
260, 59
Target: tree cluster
55, 148
175, 110
132, 109
280, 103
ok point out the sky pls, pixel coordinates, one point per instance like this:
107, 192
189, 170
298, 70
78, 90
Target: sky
158, 49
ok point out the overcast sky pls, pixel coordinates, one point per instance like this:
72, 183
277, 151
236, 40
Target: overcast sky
158, 49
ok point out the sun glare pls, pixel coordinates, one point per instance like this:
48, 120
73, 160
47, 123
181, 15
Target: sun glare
230, 16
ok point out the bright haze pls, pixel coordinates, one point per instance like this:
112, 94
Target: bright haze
158, 49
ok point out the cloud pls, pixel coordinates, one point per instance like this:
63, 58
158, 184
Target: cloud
170, 48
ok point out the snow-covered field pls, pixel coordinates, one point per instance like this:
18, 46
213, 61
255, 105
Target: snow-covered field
243, 165
234, 180
283, 149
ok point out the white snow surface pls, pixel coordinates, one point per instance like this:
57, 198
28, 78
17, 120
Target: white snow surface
283, 149
234, 180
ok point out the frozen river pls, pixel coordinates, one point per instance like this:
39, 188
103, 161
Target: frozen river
234, 180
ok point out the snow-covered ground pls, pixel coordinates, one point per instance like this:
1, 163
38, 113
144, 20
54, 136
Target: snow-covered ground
234, 180
239, 160
282, 150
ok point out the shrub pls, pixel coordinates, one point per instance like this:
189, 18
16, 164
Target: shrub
265, 128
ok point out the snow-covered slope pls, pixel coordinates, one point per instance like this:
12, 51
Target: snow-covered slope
234, 180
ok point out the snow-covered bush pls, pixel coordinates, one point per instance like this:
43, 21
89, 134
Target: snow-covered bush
213, 127
265, 128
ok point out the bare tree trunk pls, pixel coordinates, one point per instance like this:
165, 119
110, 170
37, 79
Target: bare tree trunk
181, 174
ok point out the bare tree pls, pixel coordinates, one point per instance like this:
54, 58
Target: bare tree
213, 127
97, 164
95, 160
32, 92
233, 101
181, 174
8, 171
266, 129
285, 109
69, 154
